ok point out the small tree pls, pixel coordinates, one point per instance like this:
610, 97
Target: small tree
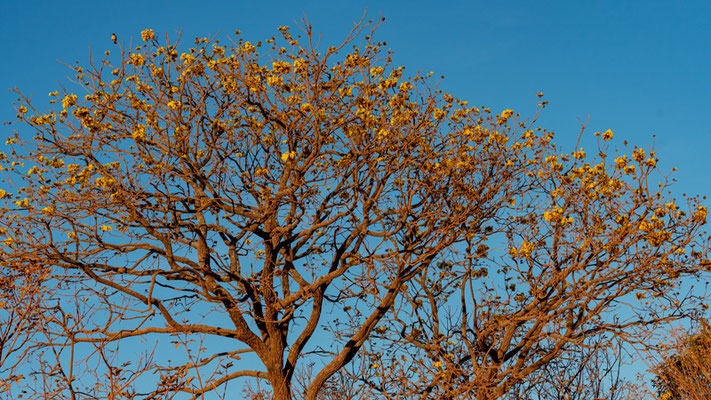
684, 372
293, 211
20, 298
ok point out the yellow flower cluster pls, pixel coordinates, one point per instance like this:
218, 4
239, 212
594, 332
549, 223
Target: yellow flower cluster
187, 58
103, 182
700, 214
405, 86
524, 251
69, 100
147, 35
275, 80
387, 84
35, 170
638, 155
580, 154
139, 133
554, 163
289, 155
23, 203
553, 216
136, 59
300, 65
248, 47
621, 162
281, 67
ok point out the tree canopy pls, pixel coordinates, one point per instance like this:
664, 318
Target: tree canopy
309, 222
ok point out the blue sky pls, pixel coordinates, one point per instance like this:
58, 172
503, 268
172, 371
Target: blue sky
638, 68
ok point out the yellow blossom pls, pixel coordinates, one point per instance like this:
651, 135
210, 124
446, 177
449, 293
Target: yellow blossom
300, 65
525, 250
136, 59
71, 235
405, 86
281, 67
638, 155
2, 194
106, 228
700, 214
69, 100
607, 135
187, 58
274, 80
173, 104
147, 35
248, 47
8, 242
139, 132
288, 155
23, 203
102, 182
507, 114
48, 210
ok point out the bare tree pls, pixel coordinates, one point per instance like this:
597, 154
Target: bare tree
237, 216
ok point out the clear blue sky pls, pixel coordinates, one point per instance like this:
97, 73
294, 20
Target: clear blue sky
640, 68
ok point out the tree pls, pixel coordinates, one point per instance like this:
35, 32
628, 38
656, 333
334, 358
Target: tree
20, 296
294, 215
683, 372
